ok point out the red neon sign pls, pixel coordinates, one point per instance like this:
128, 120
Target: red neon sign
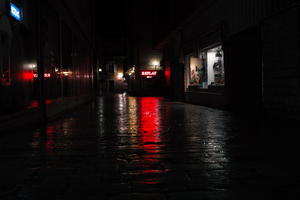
149, 73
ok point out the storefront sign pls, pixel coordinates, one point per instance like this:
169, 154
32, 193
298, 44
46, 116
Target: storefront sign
46, 75
15, 12
149, 73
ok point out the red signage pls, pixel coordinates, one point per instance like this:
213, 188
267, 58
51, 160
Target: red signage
149, 73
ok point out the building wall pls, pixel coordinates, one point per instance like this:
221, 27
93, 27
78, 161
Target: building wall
252, 12
281, 62
111, 77
65, 52
236, 15
141, 30
272, 75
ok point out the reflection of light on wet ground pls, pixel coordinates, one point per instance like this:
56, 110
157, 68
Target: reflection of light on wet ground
100, 116
35, 103
149, 133
215, 141
178, 150
121, 108
36, 140
50, 143
207, 136
132, 115
67, 127
149, 124
54, 137
139, 122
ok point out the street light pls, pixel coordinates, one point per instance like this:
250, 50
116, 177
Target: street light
120, 75
155, 63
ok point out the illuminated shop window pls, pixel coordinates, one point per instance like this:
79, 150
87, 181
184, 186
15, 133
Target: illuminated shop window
207, 69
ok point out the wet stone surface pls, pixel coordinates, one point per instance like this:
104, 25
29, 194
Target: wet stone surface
123, 147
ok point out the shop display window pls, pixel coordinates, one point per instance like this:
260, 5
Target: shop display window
207, 68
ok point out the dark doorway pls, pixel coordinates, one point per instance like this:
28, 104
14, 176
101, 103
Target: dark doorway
244, 70
111, 85
177, 80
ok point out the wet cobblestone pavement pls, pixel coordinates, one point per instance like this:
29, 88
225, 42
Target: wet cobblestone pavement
149, 148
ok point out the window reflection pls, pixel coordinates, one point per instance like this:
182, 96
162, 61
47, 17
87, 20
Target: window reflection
50, 143
121, 108
132, 115
100, 116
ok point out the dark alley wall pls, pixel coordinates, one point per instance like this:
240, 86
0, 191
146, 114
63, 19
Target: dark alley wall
261, 69
65, 49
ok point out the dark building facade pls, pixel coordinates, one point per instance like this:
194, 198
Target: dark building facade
126, 33
111, 76
46, 51
111, 34
237, 54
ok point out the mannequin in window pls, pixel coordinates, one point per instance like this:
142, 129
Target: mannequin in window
218, 69
202, 74
193, 77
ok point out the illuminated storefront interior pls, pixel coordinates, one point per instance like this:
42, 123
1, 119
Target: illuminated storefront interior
207, 68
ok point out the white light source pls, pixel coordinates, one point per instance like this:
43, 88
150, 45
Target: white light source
30, 66
155, 62
66, 73
120, 75
100, 69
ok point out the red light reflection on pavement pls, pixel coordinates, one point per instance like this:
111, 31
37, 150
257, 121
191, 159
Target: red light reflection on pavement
149, 132
36, 140
149, 124
155, 171
50, 144
35, 103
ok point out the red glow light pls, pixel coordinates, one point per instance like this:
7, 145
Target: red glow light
24, 76
27, 76
149, 73
168, 75
35, 103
